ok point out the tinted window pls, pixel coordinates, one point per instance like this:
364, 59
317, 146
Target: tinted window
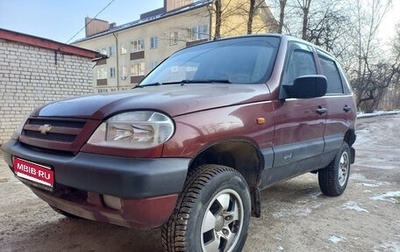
242, 60
331, 73
299, 62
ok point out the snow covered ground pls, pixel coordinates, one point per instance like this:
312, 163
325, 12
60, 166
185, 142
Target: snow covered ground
378, 113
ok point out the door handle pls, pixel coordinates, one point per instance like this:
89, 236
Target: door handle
346, 108
321, 110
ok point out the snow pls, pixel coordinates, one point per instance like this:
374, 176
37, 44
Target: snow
336, 239
354, 206
375, 185
388, 246
393, 197
371, 151
377, 113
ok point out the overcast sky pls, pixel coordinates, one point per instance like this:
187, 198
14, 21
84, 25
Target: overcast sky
60, 20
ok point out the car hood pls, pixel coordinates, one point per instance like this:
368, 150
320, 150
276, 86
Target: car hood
173, 100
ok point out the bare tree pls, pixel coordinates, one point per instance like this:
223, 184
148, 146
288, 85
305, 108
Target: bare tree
349, 30
300, 18
282, 6
329, 23
223, 11
252, 11
392, 97
234, 17
284, 9
255, 8
305, 6
373, 74
218, 18
396, 42
254, 5
374, 84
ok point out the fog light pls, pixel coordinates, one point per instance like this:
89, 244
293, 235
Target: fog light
112, 202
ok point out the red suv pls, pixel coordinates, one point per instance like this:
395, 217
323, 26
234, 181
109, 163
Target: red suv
190, 147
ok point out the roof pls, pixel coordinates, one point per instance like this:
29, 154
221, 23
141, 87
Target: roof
148, 19
47, 44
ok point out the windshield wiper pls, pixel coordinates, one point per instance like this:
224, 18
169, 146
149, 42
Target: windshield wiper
183, 82
149, 85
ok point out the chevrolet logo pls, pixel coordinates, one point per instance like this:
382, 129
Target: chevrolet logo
44, 129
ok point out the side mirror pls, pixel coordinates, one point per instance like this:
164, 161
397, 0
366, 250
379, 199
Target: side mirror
306, 86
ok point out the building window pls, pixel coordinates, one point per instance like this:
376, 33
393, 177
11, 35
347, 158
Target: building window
137, 69
123, 48
111, 51
102, 90
137, 45
199, 32
124, 72
112, 72
173, 38
101, 73
153, 42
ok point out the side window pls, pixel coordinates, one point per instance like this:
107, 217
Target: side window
299, 62
331, 72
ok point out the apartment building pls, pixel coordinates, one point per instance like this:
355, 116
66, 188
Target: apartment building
135, 48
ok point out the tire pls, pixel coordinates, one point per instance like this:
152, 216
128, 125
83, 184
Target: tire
333, 178
212, 212
71, 216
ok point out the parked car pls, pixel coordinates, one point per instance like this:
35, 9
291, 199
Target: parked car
190, 147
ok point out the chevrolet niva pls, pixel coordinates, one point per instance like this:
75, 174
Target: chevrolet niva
190, 147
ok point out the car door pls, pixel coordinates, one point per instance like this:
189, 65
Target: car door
299, 129
340, 106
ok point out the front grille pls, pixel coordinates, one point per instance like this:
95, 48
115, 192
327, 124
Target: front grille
53, 129
52, 136
67, 134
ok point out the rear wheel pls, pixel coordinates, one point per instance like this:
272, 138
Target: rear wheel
333, 178
212, 213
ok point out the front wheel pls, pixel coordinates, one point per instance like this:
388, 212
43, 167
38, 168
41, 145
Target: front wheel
333, 178
212, 213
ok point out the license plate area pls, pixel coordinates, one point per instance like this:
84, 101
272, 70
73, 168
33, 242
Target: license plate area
38, 175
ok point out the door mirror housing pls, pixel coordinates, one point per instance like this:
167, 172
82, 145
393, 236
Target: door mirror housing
306, 86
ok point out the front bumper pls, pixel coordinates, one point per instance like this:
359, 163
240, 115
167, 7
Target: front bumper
143, 213
117, 176
143, 192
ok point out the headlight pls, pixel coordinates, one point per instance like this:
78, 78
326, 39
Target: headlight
134, 130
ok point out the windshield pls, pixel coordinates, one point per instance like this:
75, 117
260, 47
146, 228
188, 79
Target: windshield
239, 61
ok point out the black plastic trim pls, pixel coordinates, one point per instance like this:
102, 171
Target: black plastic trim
118, 176
294, 152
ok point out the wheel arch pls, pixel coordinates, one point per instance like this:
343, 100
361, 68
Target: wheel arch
350, 137
239, 154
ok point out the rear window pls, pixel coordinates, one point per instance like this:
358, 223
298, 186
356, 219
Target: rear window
332, 75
